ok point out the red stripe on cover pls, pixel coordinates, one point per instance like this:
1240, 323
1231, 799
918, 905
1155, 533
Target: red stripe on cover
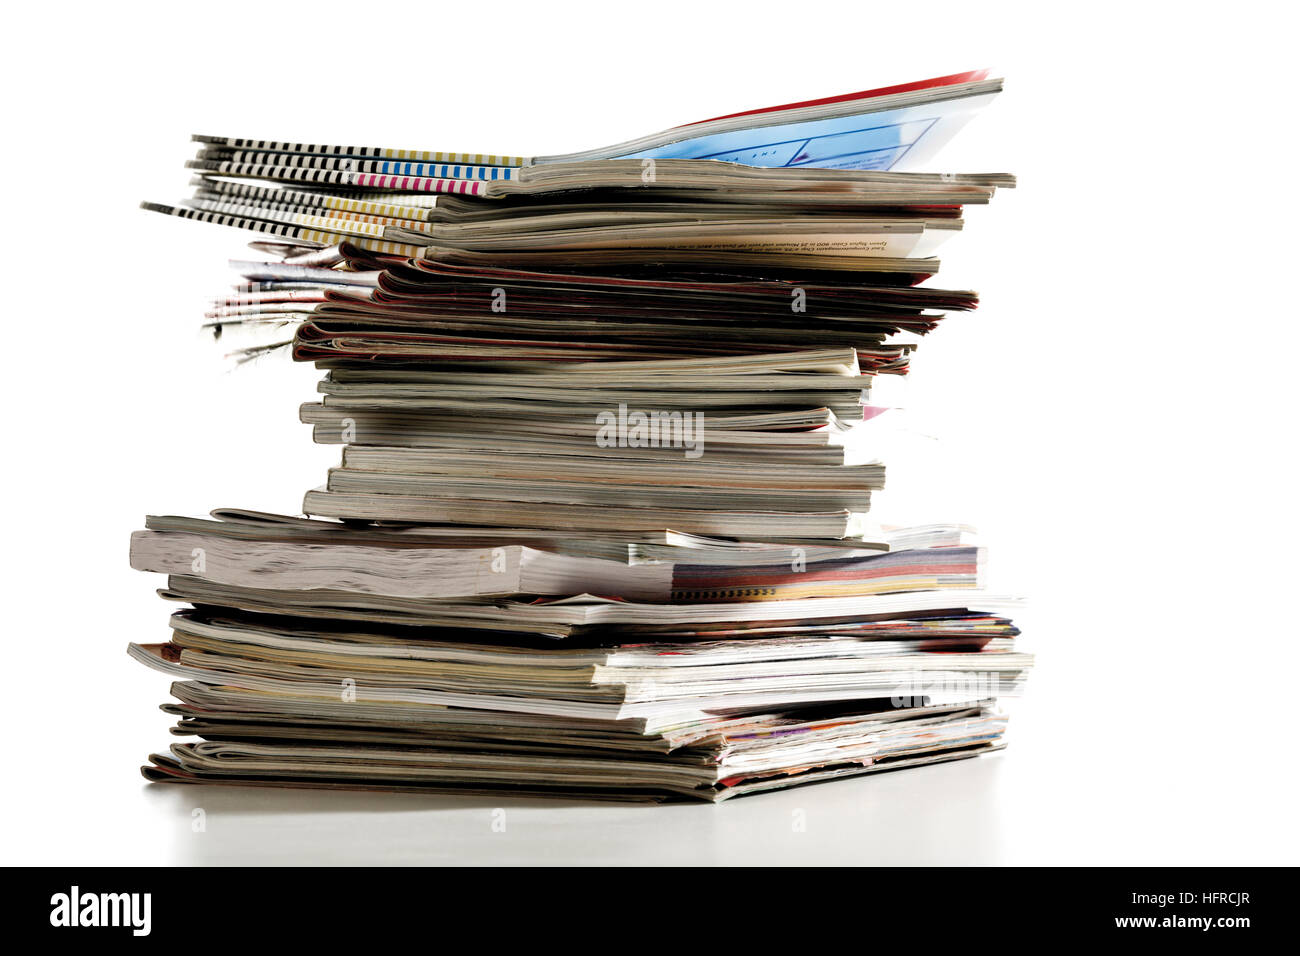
952, 80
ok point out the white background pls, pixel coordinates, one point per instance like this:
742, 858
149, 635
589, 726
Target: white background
1117, 418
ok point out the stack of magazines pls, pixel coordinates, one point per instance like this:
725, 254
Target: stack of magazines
600, 525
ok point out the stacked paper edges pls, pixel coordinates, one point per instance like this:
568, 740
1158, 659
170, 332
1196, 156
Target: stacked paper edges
599, 527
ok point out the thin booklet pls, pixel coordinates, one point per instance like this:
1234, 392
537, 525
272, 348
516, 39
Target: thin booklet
881, 129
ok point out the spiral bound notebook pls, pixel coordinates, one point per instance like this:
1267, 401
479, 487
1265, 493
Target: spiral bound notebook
893, 127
